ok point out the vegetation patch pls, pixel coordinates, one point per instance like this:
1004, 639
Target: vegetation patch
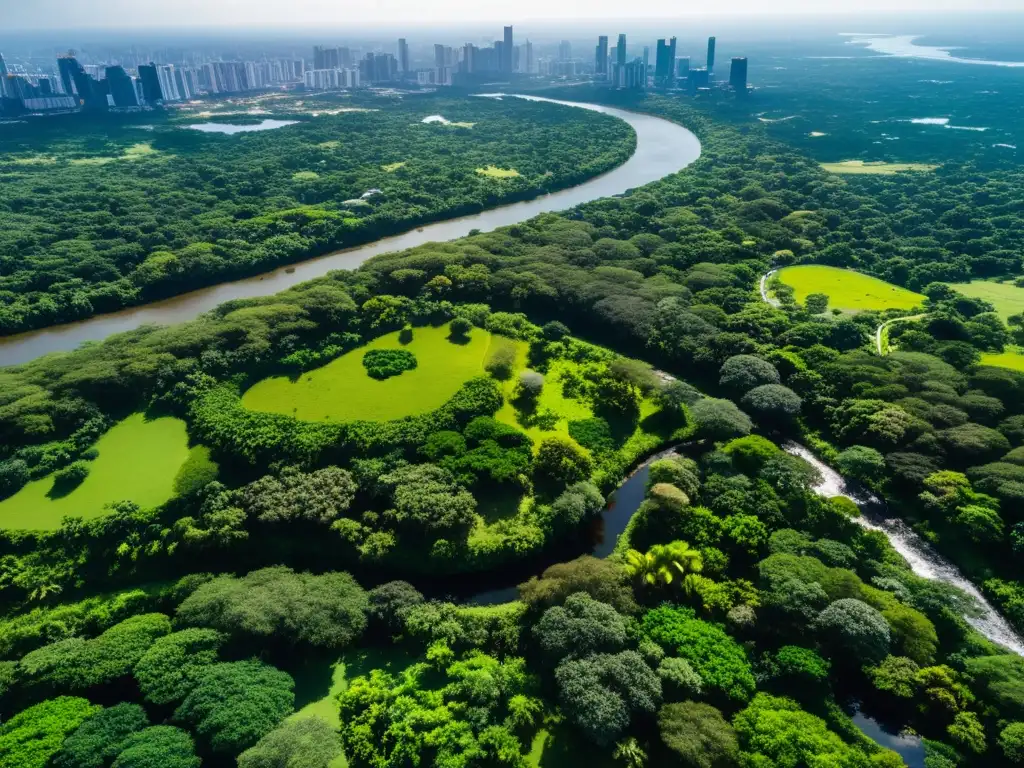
385, 363
342, 390
848, 290
494, 172
863, 167
392, 167
138, 460
305, 176
134, 152
1012, 358
1007, 298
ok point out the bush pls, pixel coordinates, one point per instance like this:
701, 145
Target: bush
385, 363
32, 737
530, 385
502, 361
855, 630
73, 475
719, 419
698, 735
14, 474
744, 372
460, 328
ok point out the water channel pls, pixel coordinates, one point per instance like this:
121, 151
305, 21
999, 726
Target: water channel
662, 148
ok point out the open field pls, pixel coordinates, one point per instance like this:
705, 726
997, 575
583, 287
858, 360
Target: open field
305, 176
551, 399
1012, 358
861, 167
392, 167
494, 172
1007, 298
848, 290
138, 461
342, 390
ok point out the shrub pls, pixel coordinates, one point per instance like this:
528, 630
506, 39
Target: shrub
502, 361
698, 735
73, 475
385, 363
460, 328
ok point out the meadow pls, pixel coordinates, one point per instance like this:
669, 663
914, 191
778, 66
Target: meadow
138, 460
848, 290
861, 167
1007, 298
342, 390
1012, 357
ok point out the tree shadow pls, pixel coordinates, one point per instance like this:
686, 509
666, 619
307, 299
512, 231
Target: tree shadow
501, 503
460, 340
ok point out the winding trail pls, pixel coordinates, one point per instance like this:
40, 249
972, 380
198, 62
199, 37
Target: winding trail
662, 148
882, 328
764, 289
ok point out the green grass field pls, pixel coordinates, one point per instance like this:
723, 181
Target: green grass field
860, 167
551, 398
138, 461
1007, 298
1012, 358
342, 391
494, 172
848, 290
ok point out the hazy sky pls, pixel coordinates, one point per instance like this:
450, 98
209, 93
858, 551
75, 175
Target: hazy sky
42, 14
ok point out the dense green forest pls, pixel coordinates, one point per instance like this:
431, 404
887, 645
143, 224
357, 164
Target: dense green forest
101, 214
738, 620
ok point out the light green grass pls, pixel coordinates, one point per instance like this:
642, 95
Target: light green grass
1012, 358
559, 746
860, 167
138, 461
134, 152
1007, 298
392, 167
329, 145
305, 176
494, 172
848, 290
342, 391
551, 398
36, 160
319, 683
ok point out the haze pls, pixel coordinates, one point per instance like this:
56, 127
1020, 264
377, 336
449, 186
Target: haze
48, 14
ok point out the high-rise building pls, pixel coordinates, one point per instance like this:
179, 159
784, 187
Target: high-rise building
601, 56
564, 51
151, 83
738, 74
403, 56
620, 51
647, 62
122, 89
378, 68
506, 51
524, 58
67, 66
3, 77
181, 82
682, 68
697, 78
168, 86
665, 62
711, 56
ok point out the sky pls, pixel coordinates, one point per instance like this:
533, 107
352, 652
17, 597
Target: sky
137, 14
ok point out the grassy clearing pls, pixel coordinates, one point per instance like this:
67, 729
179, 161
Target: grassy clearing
35, 160
318, 682
551, 399
876, 168
848, 290
392, 167
305, 176
559, 746
342, 391
139, 460
329, 145
134, 152
493, 172
1012, 358
1007, 298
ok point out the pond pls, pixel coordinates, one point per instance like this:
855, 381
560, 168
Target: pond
906, 745
230, 129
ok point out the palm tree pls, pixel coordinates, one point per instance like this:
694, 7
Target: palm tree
663, 563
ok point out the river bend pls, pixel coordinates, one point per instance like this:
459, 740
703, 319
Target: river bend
662, 148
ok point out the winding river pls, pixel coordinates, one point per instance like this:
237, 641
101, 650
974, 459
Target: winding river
662, 148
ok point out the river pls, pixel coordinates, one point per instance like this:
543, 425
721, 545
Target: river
662, 148
922, 557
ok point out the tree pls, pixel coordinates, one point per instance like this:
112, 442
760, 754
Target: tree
602, 693
678, 678
328, 611
773, 402
168, 671
561, 462
321, 496
460, 328
1011, 741
235, 704
531, 384
101, 738
744, 372
816, 303
677, 471
390, 603
861, 463
32, 737
663, 563
306, 742
602, 579
583, 626
968, 732
719, 419
698, 735
750, 453
575, 504
160, 746
854, 627
427, 500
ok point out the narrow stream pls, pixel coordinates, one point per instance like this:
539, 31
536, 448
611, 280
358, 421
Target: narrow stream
923, 559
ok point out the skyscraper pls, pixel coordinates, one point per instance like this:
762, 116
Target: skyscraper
601, 56
665, 62
620, 51
122, 89
711, 56
403, 56
506, 51
564, 50
3, 77
67, 66
738, 74
151, 83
